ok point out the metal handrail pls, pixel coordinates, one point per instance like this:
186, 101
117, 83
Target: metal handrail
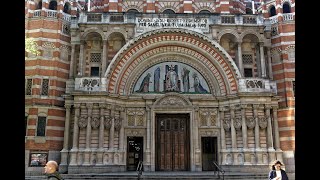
139, 169
219, 170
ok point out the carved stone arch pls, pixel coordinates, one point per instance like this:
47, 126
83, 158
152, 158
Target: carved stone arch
120, 31
41, 113
288, 48
207, 51
204, 8
138, 5
229, 31
87, 31
269, 5
173, 100
174, 57
248, 32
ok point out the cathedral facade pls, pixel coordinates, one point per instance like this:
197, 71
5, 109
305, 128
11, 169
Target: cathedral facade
173, 84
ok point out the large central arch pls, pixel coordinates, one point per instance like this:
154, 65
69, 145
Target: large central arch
179, 45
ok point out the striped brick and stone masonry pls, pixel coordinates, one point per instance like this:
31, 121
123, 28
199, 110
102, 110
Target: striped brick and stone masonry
283, 69
46, 75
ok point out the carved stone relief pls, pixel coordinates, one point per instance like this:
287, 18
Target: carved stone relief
107, 122
250, 122
117, 123
263, 122
237, 122
135, 116
227, 124
82, 122
208, 117
95, 122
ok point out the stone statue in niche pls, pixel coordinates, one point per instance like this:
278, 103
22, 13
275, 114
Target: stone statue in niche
197, 84
157, 80
185, 79
172, 82
144, 87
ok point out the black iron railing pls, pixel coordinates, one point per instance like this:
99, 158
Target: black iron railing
139, 169
219, 170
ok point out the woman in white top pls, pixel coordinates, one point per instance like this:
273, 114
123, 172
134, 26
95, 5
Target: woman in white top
277, 173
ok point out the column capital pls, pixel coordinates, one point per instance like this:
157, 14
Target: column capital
77, 105
89, 105
244, 106
267, 106
261, 43
68, 106
223, 108
255, 106
275, 107
232, 107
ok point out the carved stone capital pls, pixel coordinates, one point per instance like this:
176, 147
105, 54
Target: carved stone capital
67, 106
108, 122
227, 124
237, 122
244, 106
275, 107
89, 105
82, 123
95, 122
223, 108
267, 106
117, 123
76, 105
263, 122
102, 105
250, 121
255, 106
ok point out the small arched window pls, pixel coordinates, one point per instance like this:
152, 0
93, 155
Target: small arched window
66, 8
204, 12
39, 5
286, 8
248, 11
272, 11
168, 11
132, 11
53, 5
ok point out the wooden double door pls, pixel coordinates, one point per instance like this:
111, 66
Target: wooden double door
172, 142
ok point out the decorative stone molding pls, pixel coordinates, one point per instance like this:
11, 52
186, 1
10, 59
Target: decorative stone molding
250, 121
227, 124
135, 111
117, 123
173, 100
135, 132
95, 122
83, 121
76, 105
208, 115
208, 133
237, 122
67, 106
108, 122
263, 121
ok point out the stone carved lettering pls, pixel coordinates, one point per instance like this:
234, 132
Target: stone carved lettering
250, 121
227, 124
82, 123
263, 122
237, 122
95, 122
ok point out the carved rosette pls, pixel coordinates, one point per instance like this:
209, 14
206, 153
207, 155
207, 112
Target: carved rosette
117, 124
227, 124
250, 122
82, 123
95, 122
237, 122
263, 122
107, 122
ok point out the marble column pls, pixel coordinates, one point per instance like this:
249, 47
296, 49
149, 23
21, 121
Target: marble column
271, 150
104, 58
257, 134
240, 59
71, 72
223, 136
245, 135
195, 139
276, 134
74, 150
65, 150
121, 133
111, 135
148, 150
269, 64
88, 136
101, 135
233, 136
263, 63
81, 59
